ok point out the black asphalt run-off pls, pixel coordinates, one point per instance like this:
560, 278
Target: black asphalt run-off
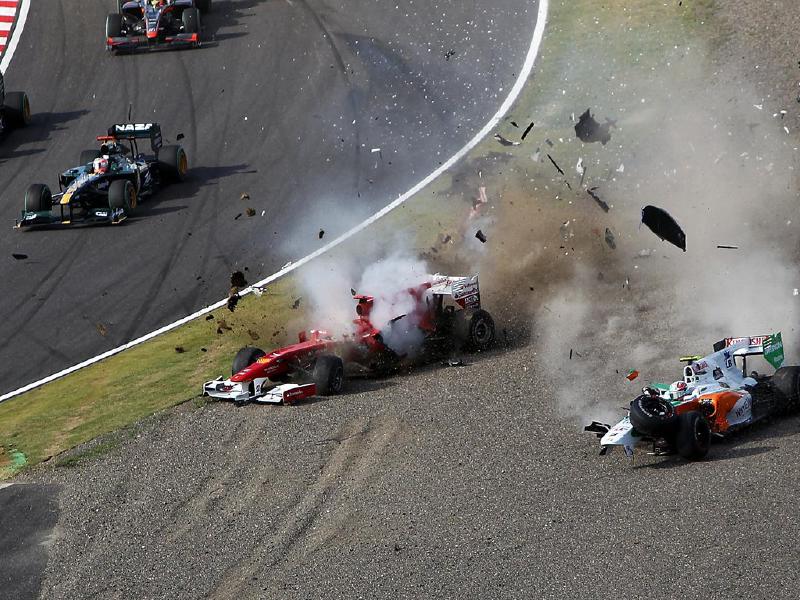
28, 514
286, 103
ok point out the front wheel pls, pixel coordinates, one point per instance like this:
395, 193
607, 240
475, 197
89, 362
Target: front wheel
38, 198
191, 20
693, 438
122, 194
17, 109
114, 25
328, 375
652, 416
246, 357
204, 6
173, 164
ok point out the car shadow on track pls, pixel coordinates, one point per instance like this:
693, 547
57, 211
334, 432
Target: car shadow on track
42, 125
227, 13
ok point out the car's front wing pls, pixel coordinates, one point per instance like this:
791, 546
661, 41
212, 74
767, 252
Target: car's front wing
141, 42
261, 391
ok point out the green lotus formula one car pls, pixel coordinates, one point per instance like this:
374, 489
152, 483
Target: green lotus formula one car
109, 182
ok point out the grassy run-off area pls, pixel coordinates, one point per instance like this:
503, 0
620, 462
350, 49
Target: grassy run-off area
170, 369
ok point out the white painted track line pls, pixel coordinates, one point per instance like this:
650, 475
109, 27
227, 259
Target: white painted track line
22, 17
527, 67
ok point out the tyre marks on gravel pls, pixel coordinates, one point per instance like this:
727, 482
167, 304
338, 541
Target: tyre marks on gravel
317, 515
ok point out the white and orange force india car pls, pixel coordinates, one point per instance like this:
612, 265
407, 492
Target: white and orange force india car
715, 397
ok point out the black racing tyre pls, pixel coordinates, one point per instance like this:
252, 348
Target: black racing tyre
17, 109
88, 156
38, 198
204, 6
120, 4
122, 194
653, 416
328, 375
693, 436
246, 357
191, 20
476, 331
786, 382
173, 164
114, 24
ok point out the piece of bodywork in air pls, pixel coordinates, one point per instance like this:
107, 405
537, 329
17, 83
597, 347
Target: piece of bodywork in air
714, 398
155, 24
109, 181
446, 312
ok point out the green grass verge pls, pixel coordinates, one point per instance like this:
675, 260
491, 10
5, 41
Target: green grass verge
149, 378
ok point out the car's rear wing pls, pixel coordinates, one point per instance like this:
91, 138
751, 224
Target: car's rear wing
137, 131
770, 346
464, 290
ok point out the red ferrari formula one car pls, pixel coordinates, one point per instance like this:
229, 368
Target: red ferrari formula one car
155, 24
447, 313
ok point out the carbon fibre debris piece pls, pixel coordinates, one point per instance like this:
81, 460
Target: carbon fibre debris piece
664, 226
527, 131
588, 130
19, 256
238, 280
481, 236
596, 198
555, 164
610, 241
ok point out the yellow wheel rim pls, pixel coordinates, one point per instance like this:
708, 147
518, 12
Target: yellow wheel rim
183, 164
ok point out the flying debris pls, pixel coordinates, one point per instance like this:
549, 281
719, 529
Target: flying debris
596, 198
321, 233
480, 235
727, 247
555, 164
664, 226
588, 130
612, 243
244, 196
632, 375
180, 349
250, 212
449, 54
238, 280
527, 131
505, 141
18, 256
296, 304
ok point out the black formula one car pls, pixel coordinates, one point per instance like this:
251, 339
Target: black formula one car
109, 182
155, 24
15, 109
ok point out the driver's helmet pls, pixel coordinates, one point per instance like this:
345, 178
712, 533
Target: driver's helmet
678, 389
100, 165
109, 148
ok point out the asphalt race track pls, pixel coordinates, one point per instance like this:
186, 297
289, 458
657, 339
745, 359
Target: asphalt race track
285, 103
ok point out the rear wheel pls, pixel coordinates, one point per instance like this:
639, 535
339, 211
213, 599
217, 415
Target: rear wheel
173, 164
787, 383
477, 331
17, 109
38, 198
88, 156
652, 416
191, 20
114, 25
122, 194
693, 438
246, 357
328, 375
